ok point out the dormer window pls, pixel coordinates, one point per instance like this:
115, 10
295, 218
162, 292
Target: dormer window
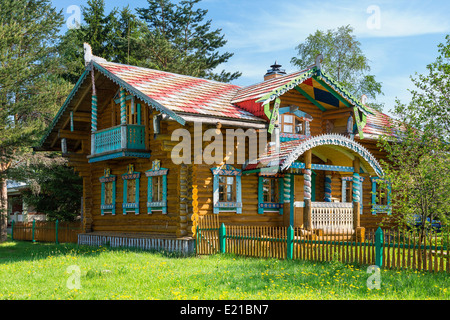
293, 126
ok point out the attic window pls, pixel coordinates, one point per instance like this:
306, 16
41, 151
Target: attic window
292, 124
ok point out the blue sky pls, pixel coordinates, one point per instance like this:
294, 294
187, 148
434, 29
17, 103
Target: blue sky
398, 37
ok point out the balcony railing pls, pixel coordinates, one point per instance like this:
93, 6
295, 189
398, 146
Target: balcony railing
122, 138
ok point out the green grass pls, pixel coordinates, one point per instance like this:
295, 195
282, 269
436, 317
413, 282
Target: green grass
40, 271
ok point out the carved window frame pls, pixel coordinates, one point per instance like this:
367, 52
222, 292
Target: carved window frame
156, 171
126, 205
222, 206
108, 178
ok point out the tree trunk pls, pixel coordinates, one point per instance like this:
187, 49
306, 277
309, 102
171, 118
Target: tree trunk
3, 209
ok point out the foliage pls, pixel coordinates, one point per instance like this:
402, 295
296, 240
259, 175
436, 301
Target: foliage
166, 36
55, 189
343, 60
29, 80
121, 274
417, 147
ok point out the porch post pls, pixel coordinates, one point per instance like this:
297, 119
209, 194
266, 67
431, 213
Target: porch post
356, 194
307, 190
359, 232
123, 110
94, 104
328, 184
287, 200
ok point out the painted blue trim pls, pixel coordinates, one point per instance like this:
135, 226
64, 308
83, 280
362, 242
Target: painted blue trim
120, 154
376, 208
292, 200
269, 205
130, 205
105, 208
160, 205
227, 170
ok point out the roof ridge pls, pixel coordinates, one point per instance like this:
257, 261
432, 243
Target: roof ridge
169, 73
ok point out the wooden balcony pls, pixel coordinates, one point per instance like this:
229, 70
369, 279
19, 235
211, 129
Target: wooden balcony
118, 142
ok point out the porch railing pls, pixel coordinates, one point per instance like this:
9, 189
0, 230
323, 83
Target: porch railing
119, 137
332, 215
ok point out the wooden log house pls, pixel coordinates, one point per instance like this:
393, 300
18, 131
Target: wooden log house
120, 124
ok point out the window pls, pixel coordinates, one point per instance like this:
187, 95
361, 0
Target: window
270, 193
347, 190
131, 190
381, 196
292, 124
157, 188
108, 193
132, 110
227, 189
270, 190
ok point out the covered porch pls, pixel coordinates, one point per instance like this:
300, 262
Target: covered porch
336, 157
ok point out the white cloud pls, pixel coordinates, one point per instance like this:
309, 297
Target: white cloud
268, 30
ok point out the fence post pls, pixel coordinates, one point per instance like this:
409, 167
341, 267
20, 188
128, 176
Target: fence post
222, 238
56, 231
32, 230
379, 247
290, 242
12, 230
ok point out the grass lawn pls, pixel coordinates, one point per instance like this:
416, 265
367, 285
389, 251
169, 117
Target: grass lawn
43, 271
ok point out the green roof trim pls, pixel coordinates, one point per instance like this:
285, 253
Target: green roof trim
310, 99
267, 98
116, 80
64, 106
333, 85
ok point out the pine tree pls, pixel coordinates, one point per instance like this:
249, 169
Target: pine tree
28, 80
177, 39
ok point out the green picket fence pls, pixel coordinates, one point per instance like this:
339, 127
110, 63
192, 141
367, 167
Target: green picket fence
391, 249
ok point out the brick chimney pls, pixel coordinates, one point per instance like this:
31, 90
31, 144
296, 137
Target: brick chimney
275, 72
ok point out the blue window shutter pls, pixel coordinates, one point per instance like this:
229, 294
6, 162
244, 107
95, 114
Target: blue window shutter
136, 197
313, 186
114, 198
281, 193
216, 192
344, 190
103, 197
374, 195
239, 194
139, 114
125, 186
164, 195
149, 193
260, 194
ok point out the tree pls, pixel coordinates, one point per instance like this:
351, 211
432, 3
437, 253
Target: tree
29, 83
54, 188
178, 40
98, 29
163, 36
343, 60
418, 148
